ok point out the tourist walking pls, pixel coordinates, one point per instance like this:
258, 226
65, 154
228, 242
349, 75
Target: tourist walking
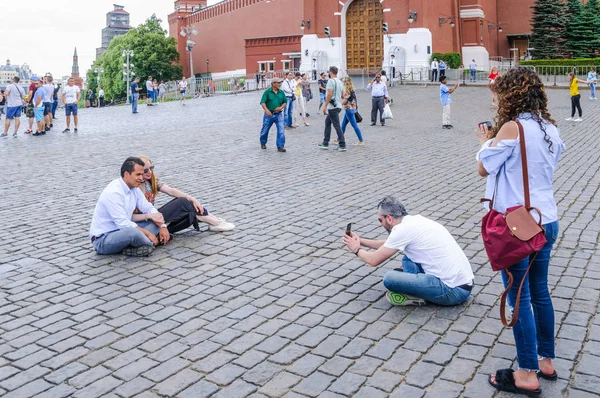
384, 78
149, 91
575, 97
181, 212
350, 104
15, 99
101, 98
322, 90
446, 99
182, 90
333, 100
289, 88
70, 97
273, 102
90, 99
442, 68
135, 94
162, 90
435, 68
303, 96
491, 81
473, 71
521, 99
55, 100
379, 97
592, 79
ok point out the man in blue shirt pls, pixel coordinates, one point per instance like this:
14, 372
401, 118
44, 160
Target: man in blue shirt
446, 100
135, 94
442, 68
473, 70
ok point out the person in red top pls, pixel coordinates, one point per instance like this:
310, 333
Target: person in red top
492, 79
29, 106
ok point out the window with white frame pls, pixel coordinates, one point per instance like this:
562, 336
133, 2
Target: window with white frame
286, 65
266, 66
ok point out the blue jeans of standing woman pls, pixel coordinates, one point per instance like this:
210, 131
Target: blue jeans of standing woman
350, 117
534, 330
415, 282
268, 121
593, 90
288, 112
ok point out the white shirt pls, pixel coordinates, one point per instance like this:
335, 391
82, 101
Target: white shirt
115, 208
70, 93
15, 96
101, 93
183, 85
393, 62
472, 66
48, 92
429, 244
435, 65
149, 85
378, 89
289, 87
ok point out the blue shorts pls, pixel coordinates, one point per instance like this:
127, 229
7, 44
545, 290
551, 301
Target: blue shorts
13, 112
322, 97
183, 92
39, 114
71, 108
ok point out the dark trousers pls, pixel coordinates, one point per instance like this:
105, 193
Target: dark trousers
378, 104
101, 99
333, 117
54, 106
576, 105
434, 75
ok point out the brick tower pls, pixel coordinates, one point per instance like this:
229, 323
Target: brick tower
75, 70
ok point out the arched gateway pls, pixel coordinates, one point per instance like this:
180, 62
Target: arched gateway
364, 34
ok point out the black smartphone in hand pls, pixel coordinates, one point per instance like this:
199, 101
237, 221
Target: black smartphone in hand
349, 229
488, 124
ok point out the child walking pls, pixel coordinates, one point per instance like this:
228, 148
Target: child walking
446, 99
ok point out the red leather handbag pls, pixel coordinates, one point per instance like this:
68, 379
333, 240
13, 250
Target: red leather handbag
513, 236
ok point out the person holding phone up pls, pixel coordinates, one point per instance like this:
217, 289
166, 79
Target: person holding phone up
434, 267
380, 97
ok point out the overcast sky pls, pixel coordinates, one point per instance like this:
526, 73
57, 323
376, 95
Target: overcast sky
44, 33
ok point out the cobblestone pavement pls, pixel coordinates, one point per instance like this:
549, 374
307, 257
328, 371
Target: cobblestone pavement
278, 307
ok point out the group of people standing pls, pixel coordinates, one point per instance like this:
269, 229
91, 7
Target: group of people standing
39, 103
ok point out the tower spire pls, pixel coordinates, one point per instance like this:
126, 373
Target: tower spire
75, 69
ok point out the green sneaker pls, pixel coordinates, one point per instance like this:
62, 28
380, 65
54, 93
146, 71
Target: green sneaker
401, 299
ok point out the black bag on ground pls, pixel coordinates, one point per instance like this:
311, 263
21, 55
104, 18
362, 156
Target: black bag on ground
179, 214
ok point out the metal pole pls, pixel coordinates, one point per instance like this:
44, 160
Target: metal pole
128, 79
98, 89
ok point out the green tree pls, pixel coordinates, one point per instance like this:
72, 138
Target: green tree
155, 54
591, 15
578, 32
548, 28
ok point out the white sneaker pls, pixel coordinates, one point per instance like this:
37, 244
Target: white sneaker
578, 120
569, 119
223, 226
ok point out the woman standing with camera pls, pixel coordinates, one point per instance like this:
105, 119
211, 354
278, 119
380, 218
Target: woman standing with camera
522, 99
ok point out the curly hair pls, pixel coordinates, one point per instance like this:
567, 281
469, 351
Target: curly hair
520, 90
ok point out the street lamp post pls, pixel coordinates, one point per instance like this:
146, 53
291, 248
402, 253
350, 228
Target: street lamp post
128, 72
188, 31
98, 73
207, 67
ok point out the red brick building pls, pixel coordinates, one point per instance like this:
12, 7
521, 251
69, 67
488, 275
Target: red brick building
241, 36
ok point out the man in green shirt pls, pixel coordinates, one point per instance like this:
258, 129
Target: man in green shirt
273, 102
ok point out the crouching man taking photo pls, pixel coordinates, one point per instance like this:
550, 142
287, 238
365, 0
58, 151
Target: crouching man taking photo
434, 267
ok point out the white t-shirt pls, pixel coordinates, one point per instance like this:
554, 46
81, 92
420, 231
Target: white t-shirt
48, 92
149, 85
384, 79
15, 95
429, 244
182, 85
70, 93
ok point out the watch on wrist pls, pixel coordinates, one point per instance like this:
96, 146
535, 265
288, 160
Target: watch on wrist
164, 226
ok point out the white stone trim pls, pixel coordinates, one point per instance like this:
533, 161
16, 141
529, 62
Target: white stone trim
472, 13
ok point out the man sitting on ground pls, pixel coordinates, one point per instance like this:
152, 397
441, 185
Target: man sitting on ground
434, 267
115, 228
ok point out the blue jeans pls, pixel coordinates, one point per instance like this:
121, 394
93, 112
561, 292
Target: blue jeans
473, 75
289, 112
415, 282
268, 121
54, 106
351, 117
134, 102
114, 242
593, 90
534, 330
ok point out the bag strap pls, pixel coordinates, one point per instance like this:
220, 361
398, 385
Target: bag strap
524, 165
515, 316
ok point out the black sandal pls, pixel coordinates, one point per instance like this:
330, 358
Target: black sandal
505, 381
552, 377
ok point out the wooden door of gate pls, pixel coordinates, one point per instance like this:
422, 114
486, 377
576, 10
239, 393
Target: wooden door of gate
364, 35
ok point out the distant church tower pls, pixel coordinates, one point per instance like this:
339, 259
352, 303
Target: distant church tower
75, 70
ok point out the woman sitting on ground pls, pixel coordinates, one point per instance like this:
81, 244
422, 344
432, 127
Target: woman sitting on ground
184, 210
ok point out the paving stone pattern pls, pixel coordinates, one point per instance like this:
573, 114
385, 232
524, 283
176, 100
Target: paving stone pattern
278, 307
